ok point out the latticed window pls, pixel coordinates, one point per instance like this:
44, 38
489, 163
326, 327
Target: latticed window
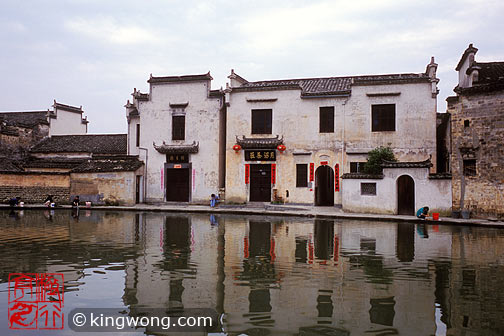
368, 189
301, 175
357, 167
178, 128
326, 119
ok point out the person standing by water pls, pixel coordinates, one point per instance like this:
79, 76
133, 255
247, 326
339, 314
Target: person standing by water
76, 201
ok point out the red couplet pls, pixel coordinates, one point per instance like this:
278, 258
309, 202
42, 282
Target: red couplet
247, 173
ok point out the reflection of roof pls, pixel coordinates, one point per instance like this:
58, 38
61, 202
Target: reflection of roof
24, 119
331, 85
272, 143
7, 165
111, 164
88, 143
177, 149
419, 164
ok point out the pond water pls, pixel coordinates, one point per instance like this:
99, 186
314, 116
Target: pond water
264, 275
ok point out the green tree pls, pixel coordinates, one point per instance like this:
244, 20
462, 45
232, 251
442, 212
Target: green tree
375, 159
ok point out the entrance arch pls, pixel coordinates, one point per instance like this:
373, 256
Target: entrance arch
405, 195
324, 186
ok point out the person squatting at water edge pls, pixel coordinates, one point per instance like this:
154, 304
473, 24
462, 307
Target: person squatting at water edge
423, 213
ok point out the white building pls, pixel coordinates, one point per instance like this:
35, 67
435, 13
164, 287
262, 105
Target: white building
177, 129
290, 140
67, 120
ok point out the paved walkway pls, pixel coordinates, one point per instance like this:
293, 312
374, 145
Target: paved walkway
279, 210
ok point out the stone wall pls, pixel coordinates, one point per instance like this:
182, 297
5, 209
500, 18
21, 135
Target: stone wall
111, 188
34, 187
478, 133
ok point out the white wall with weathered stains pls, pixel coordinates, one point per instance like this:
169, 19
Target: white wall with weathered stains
66, 123
434, 193
201, 125
297, 120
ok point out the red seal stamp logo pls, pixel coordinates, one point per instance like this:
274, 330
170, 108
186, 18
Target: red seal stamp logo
36, 300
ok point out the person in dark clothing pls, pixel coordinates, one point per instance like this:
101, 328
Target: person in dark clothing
423, 212
76, 201
13, 202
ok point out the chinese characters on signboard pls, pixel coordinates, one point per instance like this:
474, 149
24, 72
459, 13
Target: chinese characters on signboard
260, 155
36, 300
273, 173
177, 158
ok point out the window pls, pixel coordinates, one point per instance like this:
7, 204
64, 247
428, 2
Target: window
357, 167
326, 119
178, 127
470, 167
138, 135
368, 189
467, 123
383, 117
261, 121
301, 175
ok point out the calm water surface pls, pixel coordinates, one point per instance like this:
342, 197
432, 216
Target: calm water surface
268, 276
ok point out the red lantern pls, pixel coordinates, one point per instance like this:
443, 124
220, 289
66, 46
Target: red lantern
281, 148
236, 148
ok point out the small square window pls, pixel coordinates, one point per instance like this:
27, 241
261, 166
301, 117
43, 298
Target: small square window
383, 117
368, 189
470, 167
467, 123
262, 121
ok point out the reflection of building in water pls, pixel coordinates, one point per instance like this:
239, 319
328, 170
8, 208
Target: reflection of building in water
178, 265
292, 275
476, 283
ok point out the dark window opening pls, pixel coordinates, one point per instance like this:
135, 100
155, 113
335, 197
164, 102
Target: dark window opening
470, 167
357, 167
301, 175
368, 189
383, 117
178, 128
326, 119
138, 135
262, 121
467, 123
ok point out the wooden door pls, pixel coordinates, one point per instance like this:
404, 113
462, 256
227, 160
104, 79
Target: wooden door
405, 195
260, 183
177, 184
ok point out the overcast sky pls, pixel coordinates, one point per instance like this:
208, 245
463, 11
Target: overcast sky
94, 52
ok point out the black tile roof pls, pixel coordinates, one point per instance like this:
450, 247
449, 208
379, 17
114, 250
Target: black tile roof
88, 143
248, 143
490, 72
361, 176
419, 164
62, 163
186, 78
24, 119
331, 85
111, 164
68, 108
7, 165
